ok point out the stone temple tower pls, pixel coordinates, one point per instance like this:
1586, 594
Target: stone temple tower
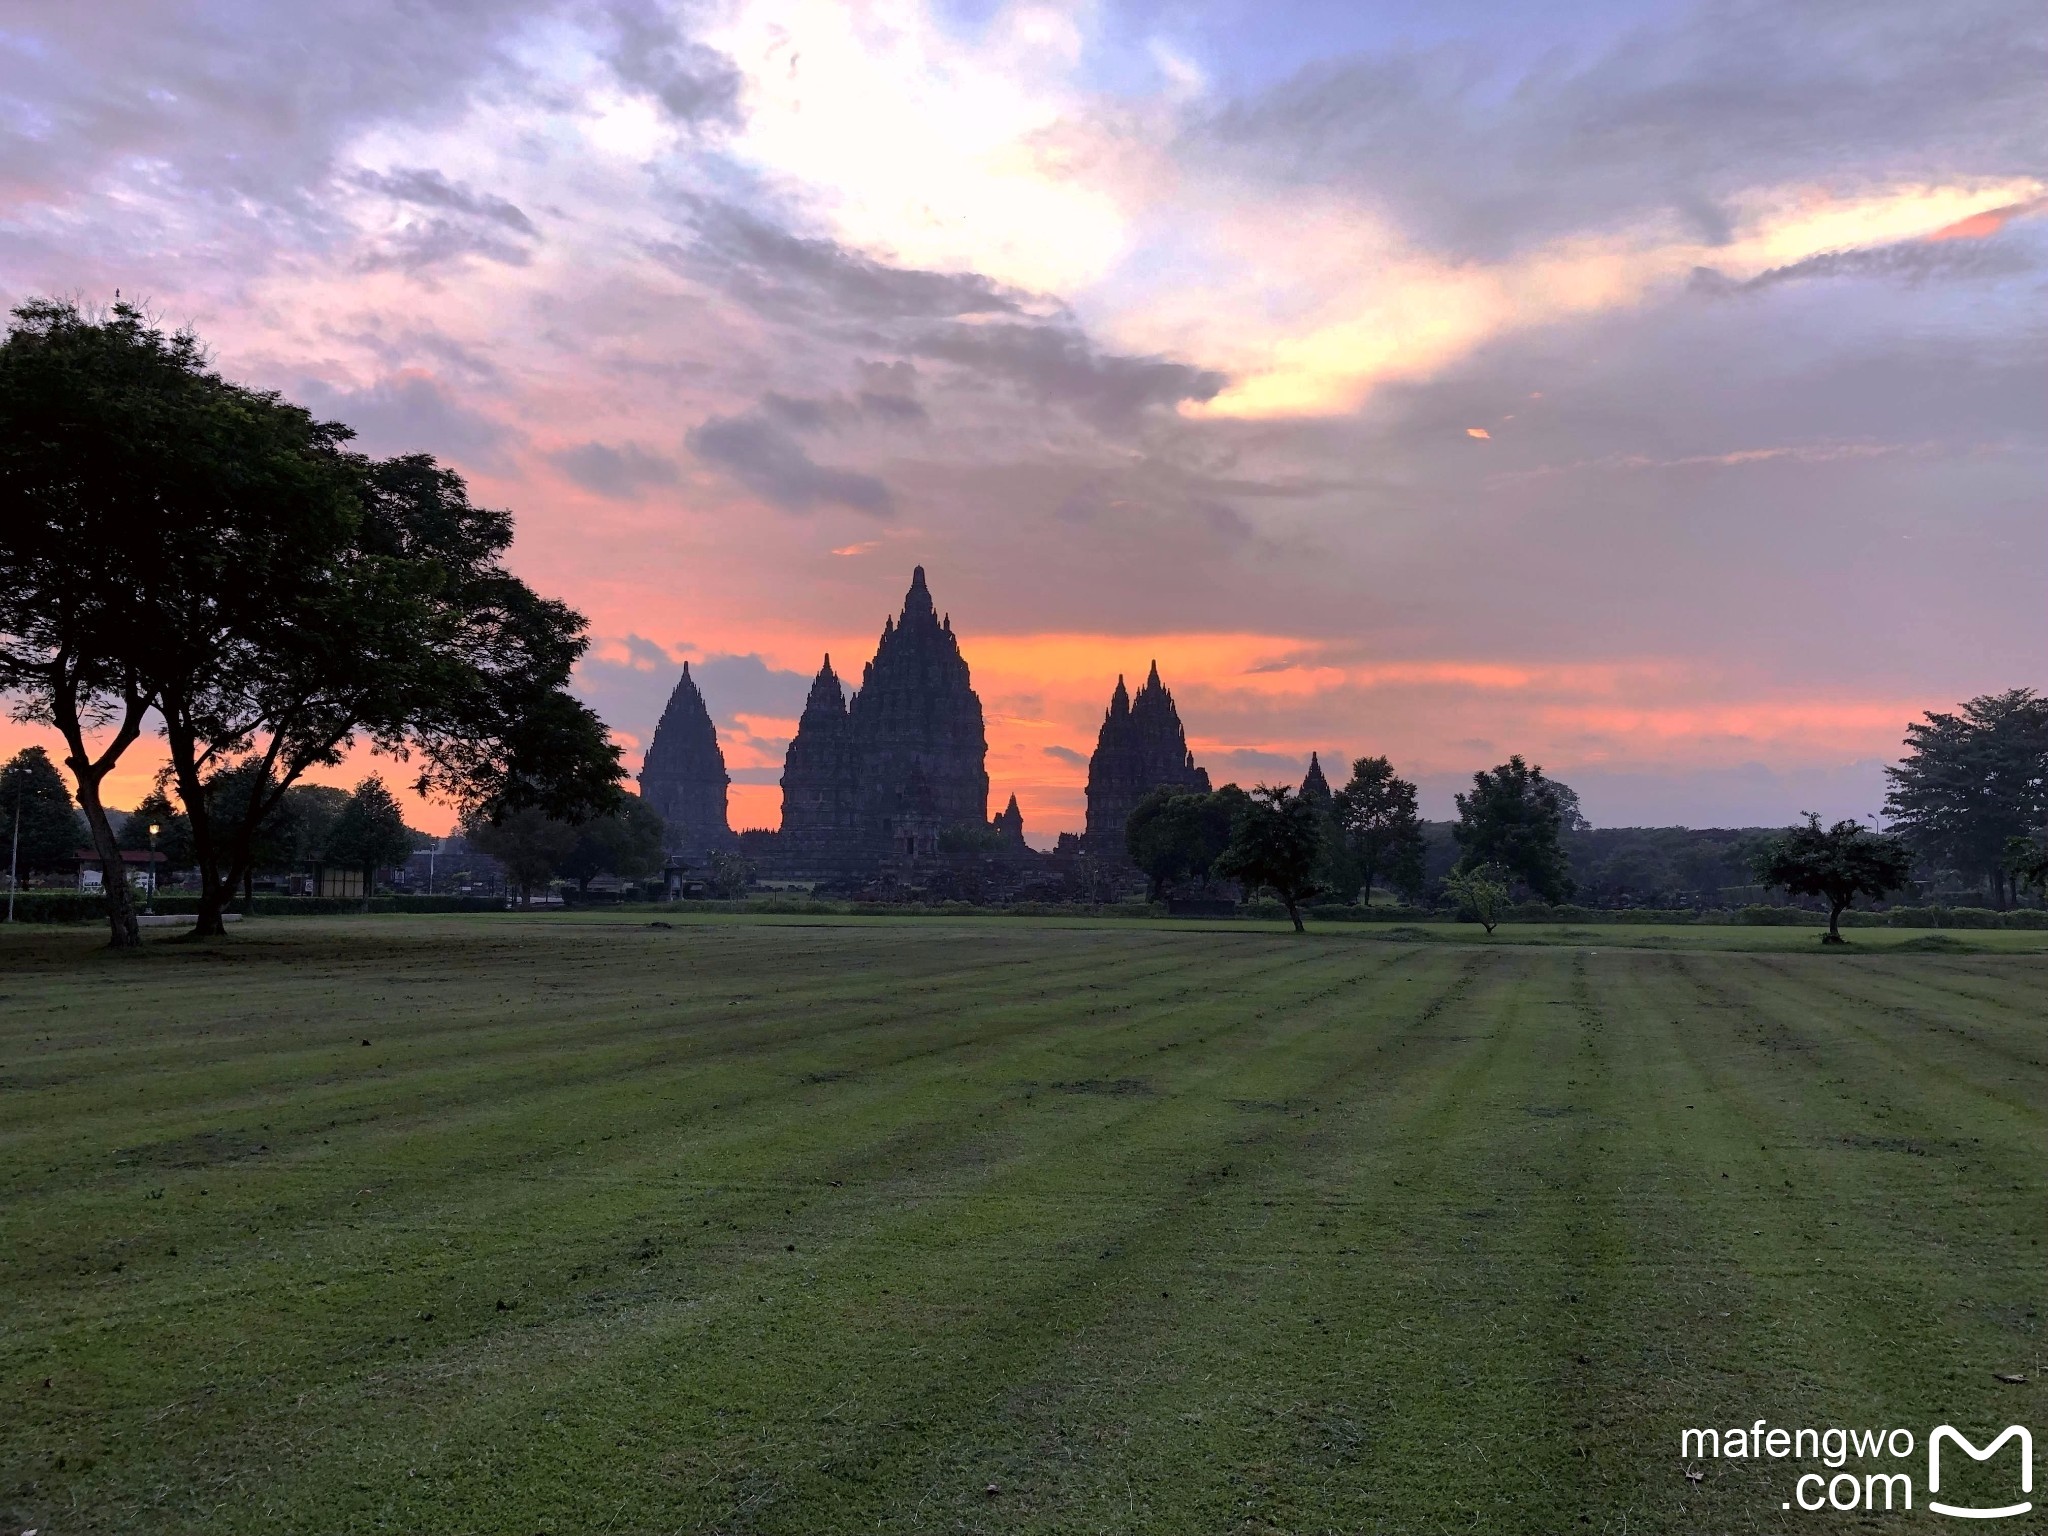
820, 787
1141, 748
917, 710
684, 776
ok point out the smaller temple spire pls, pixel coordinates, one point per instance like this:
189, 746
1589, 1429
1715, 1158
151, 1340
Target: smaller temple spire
1120, 701
825, 690
1314, 786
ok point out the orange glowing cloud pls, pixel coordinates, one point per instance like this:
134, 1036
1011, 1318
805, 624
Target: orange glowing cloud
1981, 226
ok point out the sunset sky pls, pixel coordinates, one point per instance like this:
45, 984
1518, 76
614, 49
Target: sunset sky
1655, 390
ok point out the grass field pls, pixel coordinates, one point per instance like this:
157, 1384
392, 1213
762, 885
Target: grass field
561, 1225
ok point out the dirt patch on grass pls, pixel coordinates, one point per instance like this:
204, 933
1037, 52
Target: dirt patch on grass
1115, 1087
202, 1149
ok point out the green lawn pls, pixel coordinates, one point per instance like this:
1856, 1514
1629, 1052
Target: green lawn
571, 1225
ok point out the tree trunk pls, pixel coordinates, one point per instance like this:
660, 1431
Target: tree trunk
123, 931
1295, 913
214, 889
1834, 933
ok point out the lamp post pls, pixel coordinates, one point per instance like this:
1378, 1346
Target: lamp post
149, 903
14, 857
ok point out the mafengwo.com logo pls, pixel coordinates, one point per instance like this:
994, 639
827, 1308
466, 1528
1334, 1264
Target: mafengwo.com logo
1872, 1470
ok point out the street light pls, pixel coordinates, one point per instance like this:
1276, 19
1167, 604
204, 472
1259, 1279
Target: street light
149, 904
14, 858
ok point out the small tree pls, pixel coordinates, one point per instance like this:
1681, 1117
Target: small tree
49, 833
730, 874
370, 833
530, 845
2026, 858
1513, 818
1481, 893
1839, 864
625, 842
1276, 845
1378, 814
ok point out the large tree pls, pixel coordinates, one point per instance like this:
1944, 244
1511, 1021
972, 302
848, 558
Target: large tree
414, 635
1837, 864
1175, 836
177, 542
1377, 812
38, 822
1972, 781
127, 471
1513, 817
1276, 845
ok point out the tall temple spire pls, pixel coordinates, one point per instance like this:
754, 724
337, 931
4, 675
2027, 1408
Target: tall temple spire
684, 777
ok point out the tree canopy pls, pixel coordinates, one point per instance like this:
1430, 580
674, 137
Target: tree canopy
1377, 813
529, 843
177, 542
49, 835
1276, 845
1176, 836
1837, 864
626, 841
370, 832
1972, 781
174, 832
1513, 818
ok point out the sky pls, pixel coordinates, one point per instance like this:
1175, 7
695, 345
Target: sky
1654, 390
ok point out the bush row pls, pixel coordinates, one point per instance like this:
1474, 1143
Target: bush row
90, 907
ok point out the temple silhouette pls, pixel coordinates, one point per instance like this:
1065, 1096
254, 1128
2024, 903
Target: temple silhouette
888, 786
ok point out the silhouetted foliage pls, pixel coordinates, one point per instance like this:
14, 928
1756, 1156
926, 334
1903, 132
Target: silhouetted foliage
174, 833
1275, 845
46, 836
528, 843
176, 541
625, 841
1176, 836
1971, 782
1513, 817
1376, 812
125, 470
370, 832
1837, 864
2026, 860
